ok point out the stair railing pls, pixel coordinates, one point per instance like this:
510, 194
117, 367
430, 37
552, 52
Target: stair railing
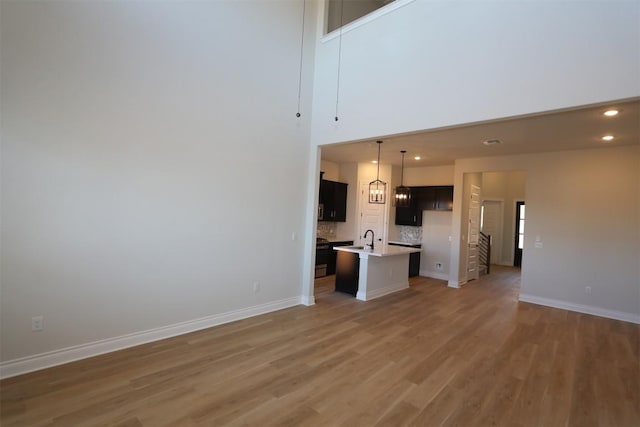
484, 252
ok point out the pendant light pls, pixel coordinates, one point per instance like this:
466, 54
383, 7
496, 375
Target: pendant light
377, 188
403, 194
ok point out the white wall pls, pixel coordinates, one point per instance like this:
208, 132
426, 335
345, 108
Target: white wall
585, 208
436, 247
152, 165
429, 175
331, 170
440, 63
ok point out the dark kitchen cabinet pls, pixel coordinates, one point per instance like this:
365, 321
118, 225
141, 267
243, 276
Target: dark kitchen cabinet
432, 198
332, 201
347, 272
444, 198
331, 263
412, 214
408, 216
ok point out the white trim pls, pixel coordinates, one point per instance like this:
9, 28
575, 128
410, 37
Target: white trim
434, 275
454, 284
377, 293
308, 300
397, 4
586, 309
36, 362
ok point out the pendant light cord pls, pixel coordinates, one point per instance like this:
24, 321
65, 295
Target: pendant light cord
339, 57
304, 7
378, 173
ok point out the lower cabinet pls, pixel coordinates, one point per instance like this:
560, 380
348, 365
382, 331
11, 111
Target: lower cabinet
349, 272
331, 262
414, 264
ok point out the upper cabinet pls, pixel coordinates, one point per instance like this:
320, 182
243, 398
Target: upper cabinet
408, 216
438, 198
332, 204
444, 198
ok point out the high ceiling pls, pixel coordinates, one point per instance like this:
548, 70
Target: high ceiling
565, 130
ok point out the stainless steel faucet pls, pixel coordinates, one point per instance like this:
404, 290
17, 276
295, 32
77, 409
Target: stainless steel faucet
372, 236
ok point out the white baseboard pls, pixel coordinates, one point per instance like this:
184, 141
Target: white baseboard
454, 284
307, 300
36, 362
434, 274
586, 309
377, 293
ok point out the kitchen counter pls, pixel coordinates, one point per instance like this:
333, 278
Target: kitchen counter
369, 274
379, 251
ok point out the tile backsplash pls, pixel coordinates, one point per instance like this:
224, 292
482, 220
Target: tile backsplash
326, 229
410, 234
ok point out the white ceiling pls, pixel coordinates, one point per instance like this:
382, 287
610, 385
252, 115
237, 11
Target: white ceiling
565, 130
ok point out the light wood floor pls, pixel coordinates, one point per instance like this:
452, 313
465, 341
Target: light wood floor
427, 356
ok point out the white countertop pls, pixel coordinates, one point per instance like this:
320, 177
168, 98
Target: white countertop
379, 250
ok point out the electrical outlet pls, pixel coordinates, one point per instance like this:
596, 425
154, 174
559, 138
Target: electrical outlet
438, 266
256, 287
587, 290
37, 323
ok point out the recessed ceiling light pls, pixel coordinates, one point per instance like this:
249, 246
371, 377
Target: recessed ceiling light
611, 113
607, 138
417, 158
492, 142
374, 162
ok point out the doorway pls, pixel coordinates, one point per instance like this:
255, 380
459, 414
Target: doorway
519, 234
491, 224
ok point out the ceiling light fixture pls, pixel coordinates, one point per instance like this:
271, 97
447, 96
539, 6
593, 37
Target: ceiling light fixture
403, 194
611, 113
492, 142
377, 188
417, 157
607, 138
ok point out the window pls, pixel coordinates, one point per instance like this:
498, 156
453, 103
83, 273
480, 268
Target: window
342, 12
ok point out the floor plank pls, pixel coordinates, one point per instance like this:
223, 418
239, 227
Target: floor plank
426, 356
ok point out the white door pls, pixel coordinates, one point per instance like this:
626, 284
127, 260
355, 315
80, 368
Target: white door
474, 233
371, 217
491, 224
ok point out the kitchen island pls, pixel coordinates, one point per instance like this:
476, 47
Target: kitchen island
369, 274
